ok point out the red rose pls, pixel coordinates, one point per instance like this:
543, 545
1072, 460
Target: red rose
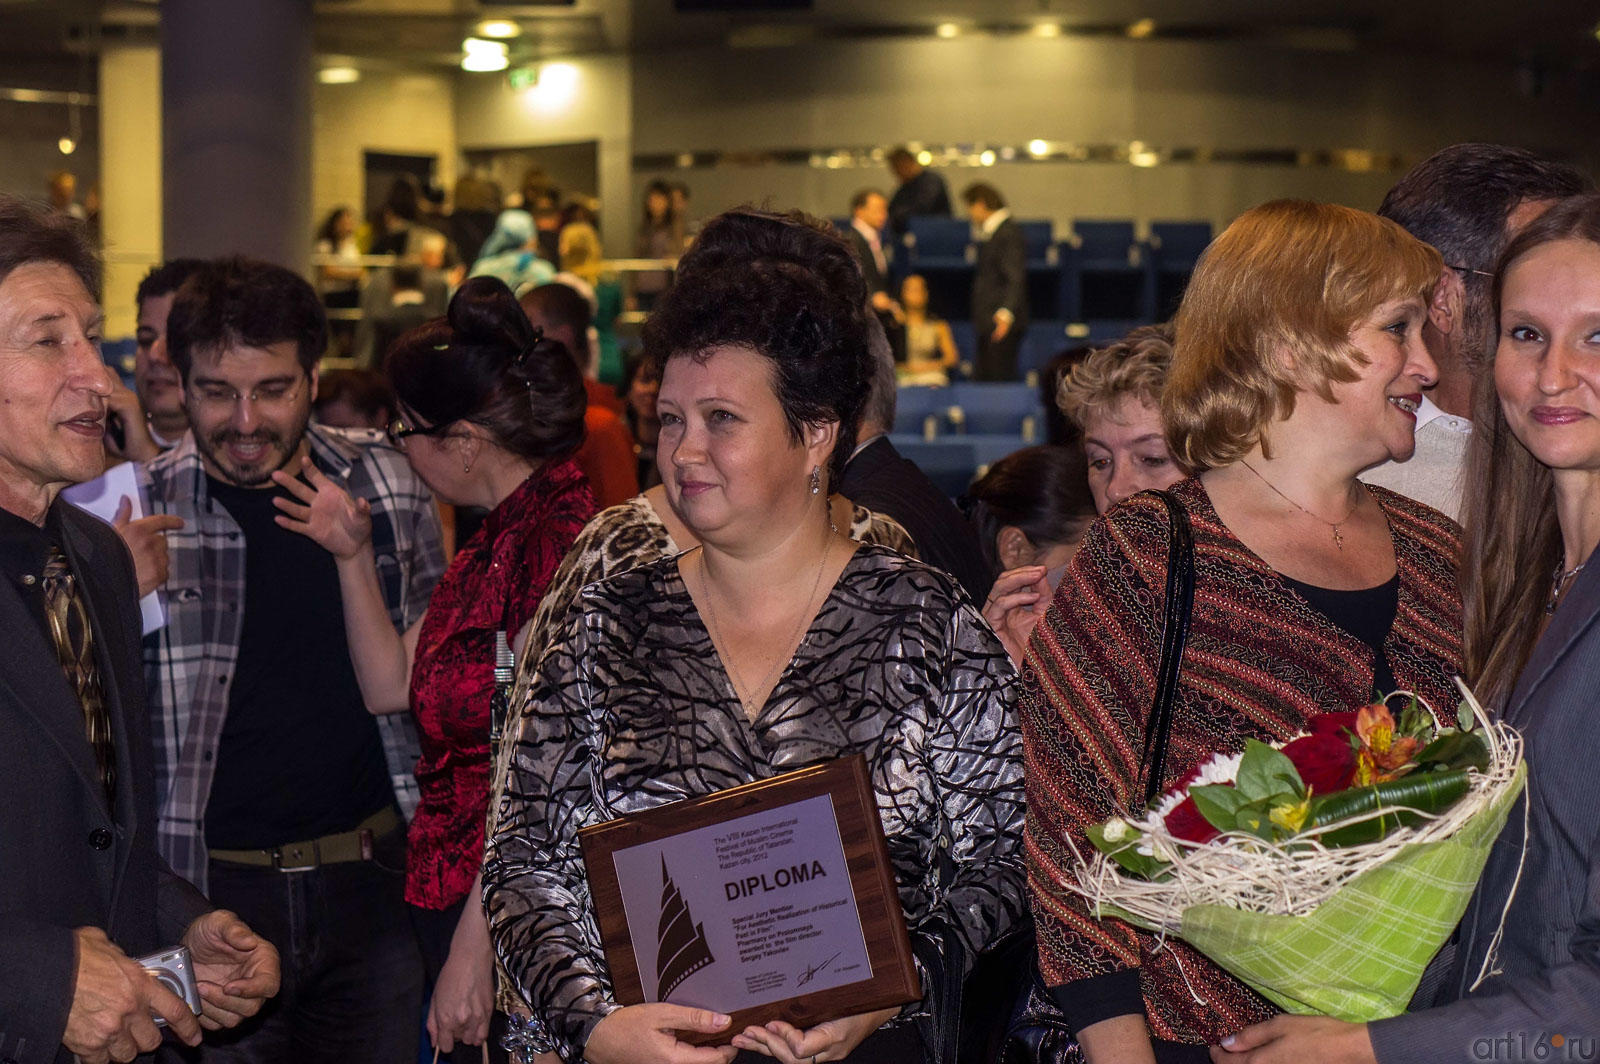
1324, 759
1185, 822
1339, 725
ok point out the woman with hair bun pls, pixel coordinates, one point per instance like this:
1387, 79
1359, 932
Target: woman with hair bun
490, 414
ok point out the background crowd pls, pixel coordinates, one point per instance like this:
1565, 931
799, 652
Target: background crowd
714, 564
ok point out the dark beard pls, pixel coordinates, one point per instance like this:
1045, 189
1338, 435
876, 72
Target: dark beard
212, 448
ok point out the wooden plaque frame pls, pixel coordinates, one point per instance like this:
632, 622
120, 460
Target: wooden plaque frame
894, 979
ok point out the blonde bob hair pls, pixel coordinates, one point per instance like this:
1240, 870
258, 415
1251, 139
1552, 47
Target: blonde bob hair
1135, 366
1269, 312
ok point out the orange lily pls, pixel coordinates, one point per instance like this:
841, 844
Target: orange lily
1382, 756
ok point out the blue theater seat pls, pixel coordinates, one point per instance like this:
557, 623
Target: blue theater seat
1175, 248
949, 463
914, 407
996, 409
1105, 272
938, 243
1041, 343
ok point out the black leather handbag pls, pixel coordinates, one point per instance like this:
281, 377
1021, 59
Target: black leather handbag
1040, 1034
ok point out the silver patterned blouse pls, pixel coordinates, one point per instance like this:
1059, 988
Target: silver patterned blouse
631, 709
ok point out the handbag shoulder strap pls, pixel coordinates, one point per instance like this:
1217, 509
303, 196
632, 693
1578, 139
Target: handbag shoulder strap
1174, 634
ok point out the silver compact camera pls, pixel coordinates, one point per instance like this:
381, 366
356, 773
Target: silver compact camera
174, 969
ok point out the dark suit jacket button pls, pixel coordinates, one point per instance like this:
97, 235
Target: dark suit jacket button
100, 839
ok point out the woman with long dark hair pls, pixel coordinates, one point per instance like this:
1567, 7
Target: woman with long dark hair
658, 238
490, 414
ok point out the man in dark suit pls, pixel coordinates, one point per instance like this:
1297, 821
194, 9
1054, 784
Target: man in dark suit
878, 477
83, 890
922, 193
999, 284
869, 213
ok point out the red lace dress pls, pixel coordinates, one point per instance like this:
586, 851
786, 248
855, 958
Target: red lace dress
495, 583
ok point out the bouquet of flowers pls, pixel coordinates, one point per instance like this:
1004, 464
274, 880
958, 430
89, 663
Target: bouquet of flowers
1324, 872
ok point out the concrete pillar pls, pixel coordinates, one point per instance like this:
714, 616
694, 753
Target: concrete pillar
236, 82
130, 176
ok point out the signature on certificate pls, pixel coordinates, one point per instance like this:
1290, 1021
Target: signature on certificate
812, 971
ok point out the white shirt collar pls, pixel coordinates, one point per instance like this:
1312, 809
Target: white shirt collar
864, 444
993, 222
161, 441
1427, 413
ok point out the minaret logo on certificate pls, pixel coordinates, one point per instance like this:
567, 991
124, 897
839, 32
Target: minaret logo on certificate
681, 947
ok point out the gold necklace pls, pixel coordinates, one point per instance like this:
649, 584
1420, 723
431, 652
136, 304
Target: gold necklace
1338, 537
746, 698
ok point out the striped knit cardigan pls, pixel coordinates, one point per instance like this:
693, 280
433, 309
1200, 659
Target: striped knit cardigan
1260, 662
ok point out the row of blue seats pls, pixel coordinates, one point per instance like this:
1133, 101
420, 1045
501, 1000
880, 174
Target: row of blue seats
1102, 270
954, 463
1101, 243
970, 410
1043, 340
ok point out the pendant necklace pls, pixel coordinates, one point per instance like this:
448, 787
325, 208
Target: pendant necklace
1338, 537
745, 695
1558, 583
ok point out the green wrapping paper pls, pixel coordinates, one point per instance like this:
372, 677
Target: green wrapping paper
1360, 955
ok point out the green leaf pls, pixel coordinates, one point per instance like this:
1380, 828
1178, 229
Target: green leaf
1265, 772
1414, 720
1256, 817
1456, 750
1428, 792
1126, 853
1218, 803
1465, 717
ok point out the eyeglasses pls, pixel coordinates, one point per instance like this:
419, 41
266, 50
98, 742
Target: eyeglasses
272, 396
1469, 269
398, 431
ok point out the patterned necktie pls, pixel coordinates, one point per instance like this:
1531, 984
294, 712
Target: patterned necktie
74, 639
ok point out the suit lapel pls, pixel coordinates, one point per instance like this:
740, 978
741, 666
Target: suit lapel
1578, 613
38, 686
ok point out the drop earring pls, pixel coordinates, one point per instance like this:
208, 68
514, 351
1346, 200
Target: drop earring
816, 480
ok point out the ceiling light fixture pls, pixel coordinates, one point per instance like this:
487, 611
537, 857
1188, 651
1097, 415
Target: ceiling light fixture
947, 30
499, 28
481, 57
1038, 148
554, 87
1047, 29
69, 143
338, 75
986, 159
1143, 29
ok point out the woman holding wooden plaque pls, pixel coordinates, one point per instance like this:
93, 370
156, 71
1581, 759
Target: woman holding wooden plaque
778, 644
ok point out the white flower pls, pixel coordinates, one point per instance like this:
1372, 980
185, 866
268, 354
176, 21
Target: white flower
1117, 829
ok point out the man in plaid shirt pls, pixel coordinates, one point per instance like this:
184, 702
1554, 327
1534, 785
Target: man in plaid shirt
279, 790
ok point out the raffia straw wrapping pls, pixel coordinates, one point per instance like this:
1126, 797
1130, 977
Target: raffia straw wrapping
1292, 878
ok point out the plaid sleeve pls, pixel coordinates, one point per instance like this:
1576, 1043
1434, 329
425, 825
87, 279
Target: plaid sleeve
407, 542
